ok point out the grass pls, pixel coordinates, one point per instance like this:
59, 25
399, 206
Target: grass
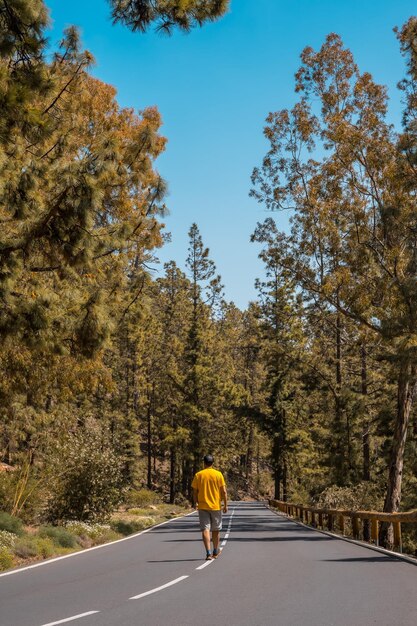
21, 545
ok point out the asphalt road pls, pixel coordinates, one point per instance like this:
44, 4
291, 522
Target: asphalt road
272, 572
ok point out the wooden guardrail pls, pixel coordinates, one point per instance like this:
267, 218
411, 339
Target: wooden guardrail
364, 524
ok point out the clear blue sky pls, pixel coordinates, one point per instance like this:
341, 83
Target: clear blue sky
214, 88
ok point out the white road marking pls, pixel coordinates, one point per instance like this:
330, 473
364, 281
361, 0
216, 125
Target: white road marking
205, 564
223, 543
103, 545
148, 593
70, 619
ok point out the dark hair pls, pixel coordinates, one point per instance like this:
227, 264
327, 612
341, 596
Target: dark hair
208, 459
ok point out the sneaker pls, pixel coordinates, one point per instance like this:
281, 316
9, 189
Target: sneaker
209, 557
216, 553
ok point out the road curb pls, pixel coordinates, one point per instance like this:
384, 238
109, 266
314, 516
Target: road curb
363, 544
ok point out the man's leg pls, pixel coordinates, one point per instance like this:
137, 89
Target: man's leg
216, 540
216, 526
206, 539
205, 530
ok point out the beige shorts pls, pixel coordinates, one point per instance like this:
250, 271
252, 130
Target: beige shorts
210, 519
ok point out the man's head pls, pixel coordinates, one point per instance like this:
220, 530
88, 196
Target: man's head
208, 460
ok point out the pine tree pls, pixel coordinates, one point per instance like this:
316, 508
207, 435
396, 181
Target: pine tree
167, 14
205, 289
352, 241
283, 343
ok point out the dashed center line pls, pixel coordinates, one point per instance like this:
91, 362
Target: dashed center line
71, 619
151, 591
148, 593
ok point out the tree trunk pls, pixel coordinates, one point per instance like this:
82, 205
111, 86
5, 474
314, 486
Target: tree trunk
186, 479
339, 456
277, 483
407, 386
366, 463
172, 471
149, 443
277, 463
249, 453
284, 481
366, 466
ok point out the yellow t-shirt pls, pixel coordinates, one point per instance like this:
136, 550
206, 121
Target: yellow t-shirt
208, 483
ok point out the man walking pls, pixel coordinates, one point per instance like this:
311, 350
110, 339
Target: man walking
209, 489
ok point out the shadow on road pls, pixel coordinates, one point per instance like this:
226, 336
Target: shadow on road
174, 560
366, 559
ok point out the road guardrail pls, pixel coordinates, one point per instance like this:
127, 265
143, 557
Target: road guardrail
362, 524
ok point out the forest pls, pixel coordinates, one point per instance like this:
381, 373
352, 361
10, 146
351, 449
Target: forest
114, 379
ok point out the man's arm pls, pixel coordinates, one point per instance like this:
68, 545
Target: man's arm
195, 498
223, 495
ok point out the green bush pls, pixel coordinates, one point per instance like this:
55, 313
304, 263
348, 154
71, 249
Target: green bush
44, 547
84, 529
123, 527
6, 559
91, 534
143, 497
26, 547
181, 500
7, 540
34, 546
87, 483
60, 536
365, 496
11, 524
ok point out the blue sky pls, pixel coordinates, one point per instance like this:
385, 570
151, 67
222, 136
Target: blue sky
214, 88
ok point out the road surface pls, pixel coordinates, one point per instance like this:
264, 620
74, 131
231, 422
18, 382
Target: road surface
272, 572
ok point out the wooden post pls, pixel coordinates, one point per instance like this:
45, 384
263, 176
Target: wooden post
374, 531
397, 536
342, 524
321, 520
355, 527
313, 519
330, 522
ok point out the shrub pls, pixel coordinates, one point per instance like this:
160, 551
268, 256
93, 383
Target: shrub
44, 547
33, 546
6, 559
363, 496
90, 534
28, 495
11, 524
26, 547
7, 540
88, 475
137, 511
60, 536
181, 500
83, 529
123, 527
143, 497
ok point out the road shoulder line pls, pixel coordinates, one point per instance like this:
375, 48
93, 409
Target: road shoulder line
102, 545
